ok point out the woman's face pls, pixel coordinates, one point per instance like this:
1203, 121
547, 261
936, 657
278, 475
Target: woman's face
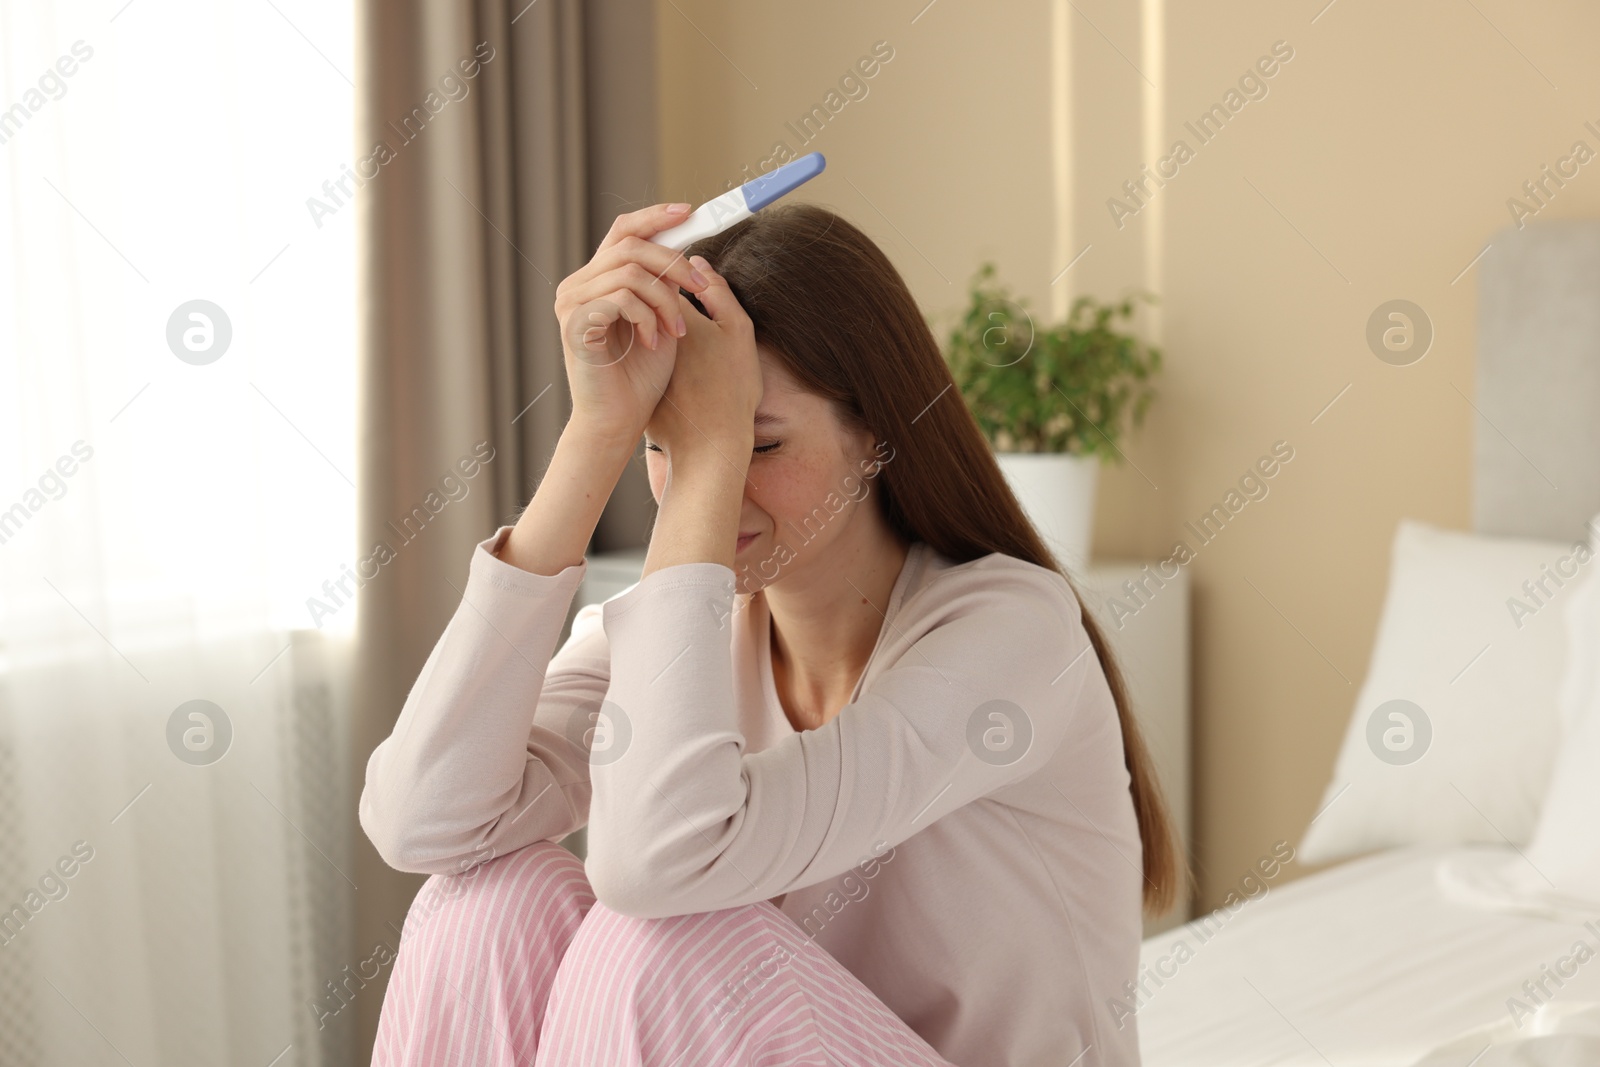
807, 476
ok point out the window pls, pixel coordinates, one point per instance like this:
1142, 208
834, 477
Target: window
171, 468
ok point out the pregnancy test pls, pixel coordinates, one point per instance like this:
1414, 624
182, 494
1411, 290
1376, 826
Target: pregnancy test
736, 205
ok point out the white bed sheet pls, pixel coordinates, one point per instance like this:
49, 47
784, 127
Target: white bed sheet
1373, 963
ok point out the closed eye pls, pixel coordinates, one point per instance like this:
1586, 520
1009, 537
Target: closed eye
758, 448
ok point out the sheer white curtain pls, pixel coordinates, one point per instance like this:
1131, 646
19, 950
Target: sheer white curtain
177, 364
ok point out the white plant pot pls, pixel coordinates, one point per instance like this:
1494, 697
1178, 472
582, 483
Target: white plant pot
1057, 491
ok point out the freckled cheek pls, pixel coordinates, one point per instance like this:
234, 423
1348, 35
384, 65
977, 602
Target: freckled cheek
790, 491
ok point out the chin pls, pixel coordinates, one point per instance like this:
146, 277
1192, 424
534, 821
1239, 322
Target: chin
766, 568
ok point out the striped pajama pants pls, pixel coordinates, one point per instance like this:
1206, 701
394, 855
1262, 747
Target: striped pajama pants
515, 964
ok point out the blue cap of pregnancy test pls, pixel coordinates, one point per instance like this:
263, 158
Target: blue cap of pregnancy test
760, 192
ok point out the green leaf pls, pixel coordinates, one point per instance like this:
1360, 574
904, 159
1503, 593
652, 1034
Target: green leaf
1081, 385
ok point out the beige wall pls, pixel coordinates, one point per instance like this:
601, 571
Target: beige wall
952, 129
1384, 154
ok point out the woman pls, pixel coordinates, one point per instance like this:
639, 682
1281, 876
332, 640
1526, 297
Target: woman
861, 781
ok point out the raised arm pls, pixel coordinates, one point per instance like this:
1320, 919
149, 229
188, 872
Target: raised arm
491, 750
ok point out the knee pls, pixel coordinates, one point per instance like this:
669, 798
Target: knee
538, 888
733, 951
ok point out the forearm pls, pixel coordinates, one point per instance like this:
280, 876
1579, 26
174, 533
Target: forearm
698, 521
553, 532
482, 754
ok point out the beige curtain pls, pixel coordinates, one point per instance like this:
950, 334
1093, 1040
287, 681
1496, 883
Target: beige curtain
516, 129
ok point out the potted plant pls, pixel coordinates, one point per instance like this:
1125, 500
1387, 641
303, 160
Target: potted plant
1053, 401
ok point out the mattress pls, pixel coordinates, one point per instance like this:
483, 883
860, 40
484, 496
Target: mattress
1377, 962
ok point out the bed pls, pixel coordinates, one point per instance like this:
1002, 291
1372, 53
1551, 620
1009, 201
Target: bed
1445, 936
1372, 963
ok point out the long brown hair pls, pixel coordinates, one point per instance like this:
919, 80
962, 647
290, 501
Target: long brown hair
828, 303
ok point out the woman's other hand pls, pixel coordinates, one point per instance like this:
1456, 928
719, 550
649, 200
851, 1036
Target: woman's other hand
621, 317
715, 386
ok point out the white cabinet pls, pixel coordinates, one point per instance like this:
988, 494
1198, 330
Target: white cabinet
1145, 618
608, 574
1147, 625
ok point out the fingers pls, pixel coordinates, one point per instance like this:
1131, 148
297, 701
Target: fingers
642, 315
651, 272
668, 267
634, 279
644, 223
590, 322
718, 298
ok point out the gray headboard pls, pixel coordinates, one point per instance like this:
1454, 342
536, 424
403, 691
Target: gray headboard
1537, 462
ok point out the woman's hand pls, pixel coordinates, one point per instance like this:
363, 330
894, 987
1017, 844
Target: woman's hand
710, 401
621, 317
705, 424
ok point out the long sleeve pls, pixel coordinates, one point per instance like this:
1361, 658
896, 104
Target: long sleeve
491, 749
975, 695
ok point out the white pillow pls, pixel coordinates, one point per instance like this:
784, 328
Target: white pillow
1565, 852
1582, 615
1479, 652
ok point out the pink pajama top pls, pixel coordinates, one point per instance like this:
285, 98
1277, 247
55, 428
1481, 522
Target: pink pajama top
960, 836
